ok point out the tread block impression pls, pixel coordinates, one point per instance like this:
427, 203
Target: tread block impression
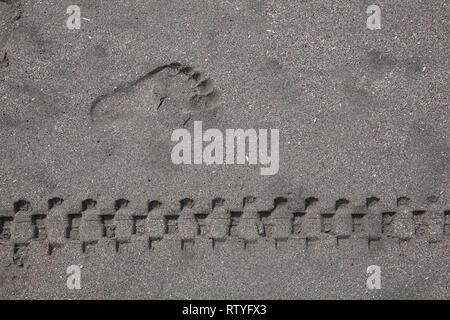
108, 226
358, 223
20, 253
171, 224
139, 225
73, 230
39, 224
5, 228
201, 219
235, 218
420, 223
297, 223
386, 223
327, 223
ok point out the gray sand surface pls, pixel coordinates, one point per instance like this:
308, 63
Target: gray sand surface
89, 113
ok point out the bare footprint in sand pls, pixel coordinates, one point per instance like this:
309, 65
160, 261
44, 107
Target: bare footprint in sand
133, 123
167, 96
